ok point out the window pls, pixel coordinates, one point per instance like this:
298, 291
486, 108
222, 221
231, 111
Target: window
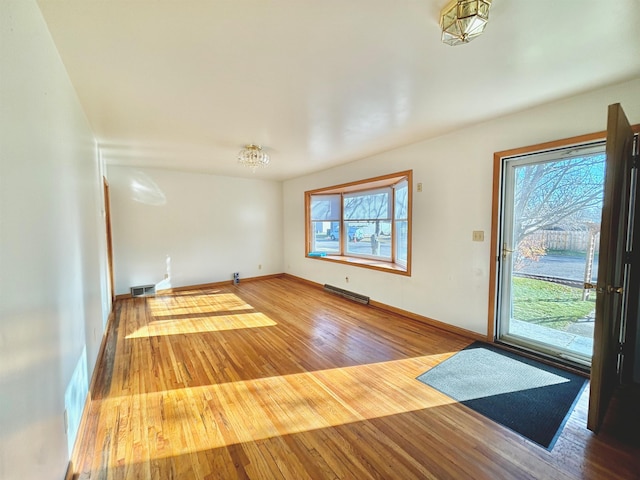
365, 223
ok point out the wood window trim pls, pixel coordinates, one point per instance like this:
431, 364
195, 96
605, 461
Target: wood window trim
363, 185
495, 208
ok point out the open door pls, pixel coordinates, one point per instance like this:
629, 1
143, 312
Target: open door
613, 266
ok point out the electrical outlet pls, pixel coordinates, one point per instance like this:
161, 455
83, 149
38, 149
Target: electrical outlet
260, 267
478, 236
420, 186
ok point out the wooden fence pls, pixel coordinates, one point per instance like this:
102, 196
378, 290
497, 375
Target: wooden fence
577, 241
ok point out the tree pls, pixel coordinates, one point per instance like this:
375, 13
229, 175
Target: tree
369, 207
562, 194
557, 195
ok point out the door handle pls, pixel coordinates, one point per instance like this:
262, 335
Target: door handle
591, 286
611, 289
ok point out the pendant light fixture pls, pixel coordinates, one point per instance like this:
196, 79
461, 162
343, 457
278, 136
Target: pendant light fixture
253, 157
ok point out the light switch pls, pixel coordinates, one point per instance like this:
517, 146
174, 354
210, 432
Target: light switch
420, 186
478, 236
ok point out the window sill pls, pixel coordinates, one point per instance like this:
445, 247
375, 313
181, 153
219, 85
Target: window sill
365, 263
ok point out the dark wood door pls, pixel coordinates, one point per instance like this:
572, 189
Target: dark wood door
631, 365
612, 287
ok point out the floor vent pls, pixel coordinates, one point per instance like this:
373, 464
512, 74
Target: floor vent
143, 291
356, 297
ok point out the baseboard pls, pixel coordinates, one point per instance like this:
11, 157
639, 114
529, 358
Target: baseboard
429, 321
405, 313
226, 283
303, 280
100, 356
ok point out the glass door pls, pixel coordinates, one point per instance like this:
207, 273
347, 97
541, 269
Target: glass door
551, 207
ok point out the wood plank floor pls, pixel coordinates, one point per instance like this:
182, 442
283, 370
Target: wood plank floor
278, 379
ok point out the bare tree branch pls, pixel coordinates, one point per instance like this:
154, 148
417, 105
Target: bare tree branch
561, 194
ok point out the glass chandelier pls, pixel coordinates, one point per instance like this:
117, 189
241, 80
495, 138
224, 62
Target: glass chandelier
253, 157
463, 20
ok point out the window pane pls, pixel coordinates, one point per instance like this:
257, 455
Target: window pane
359, 219
401, 241
402, 200
325, 237
325, 207
370, 239
370, 205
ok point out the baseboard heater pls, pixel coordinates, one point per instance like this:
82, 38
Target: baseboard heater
356, 297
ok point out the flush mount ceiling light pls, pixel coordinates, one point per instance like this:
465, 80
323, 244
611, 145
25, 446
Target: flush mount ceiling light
463, 20
253, 157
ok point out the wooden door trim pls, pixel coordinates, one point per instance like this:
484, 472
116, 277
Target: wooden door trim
107, 219
498, 158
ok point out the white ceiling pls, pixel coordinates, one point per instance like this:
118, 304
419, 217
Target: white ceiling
185, 84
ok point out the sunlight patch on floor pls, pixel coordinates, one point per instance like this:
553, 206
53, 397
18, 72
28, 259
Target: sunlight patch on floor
182, 421
165, 306
214, 323
211, 313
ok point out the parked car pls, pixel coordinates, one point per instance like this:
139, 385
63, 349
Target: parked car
355, 233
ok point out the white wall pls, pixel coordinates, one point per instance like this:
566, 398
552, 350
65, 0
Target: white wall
53, 300
450, 274
197, 228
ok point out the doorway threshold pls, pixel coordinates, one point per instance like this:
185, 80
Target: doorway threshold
569, 342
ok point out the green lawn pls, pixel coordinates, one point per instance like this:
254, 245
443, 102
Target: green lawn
549, 304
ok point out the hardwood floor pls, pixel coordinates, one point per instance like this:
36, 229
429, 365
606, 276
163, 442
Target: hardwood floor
278, 379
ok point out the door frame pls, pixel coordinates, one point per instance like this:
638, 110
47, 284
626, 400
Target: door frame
507, 332
596, 406
107, 219
497, 211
